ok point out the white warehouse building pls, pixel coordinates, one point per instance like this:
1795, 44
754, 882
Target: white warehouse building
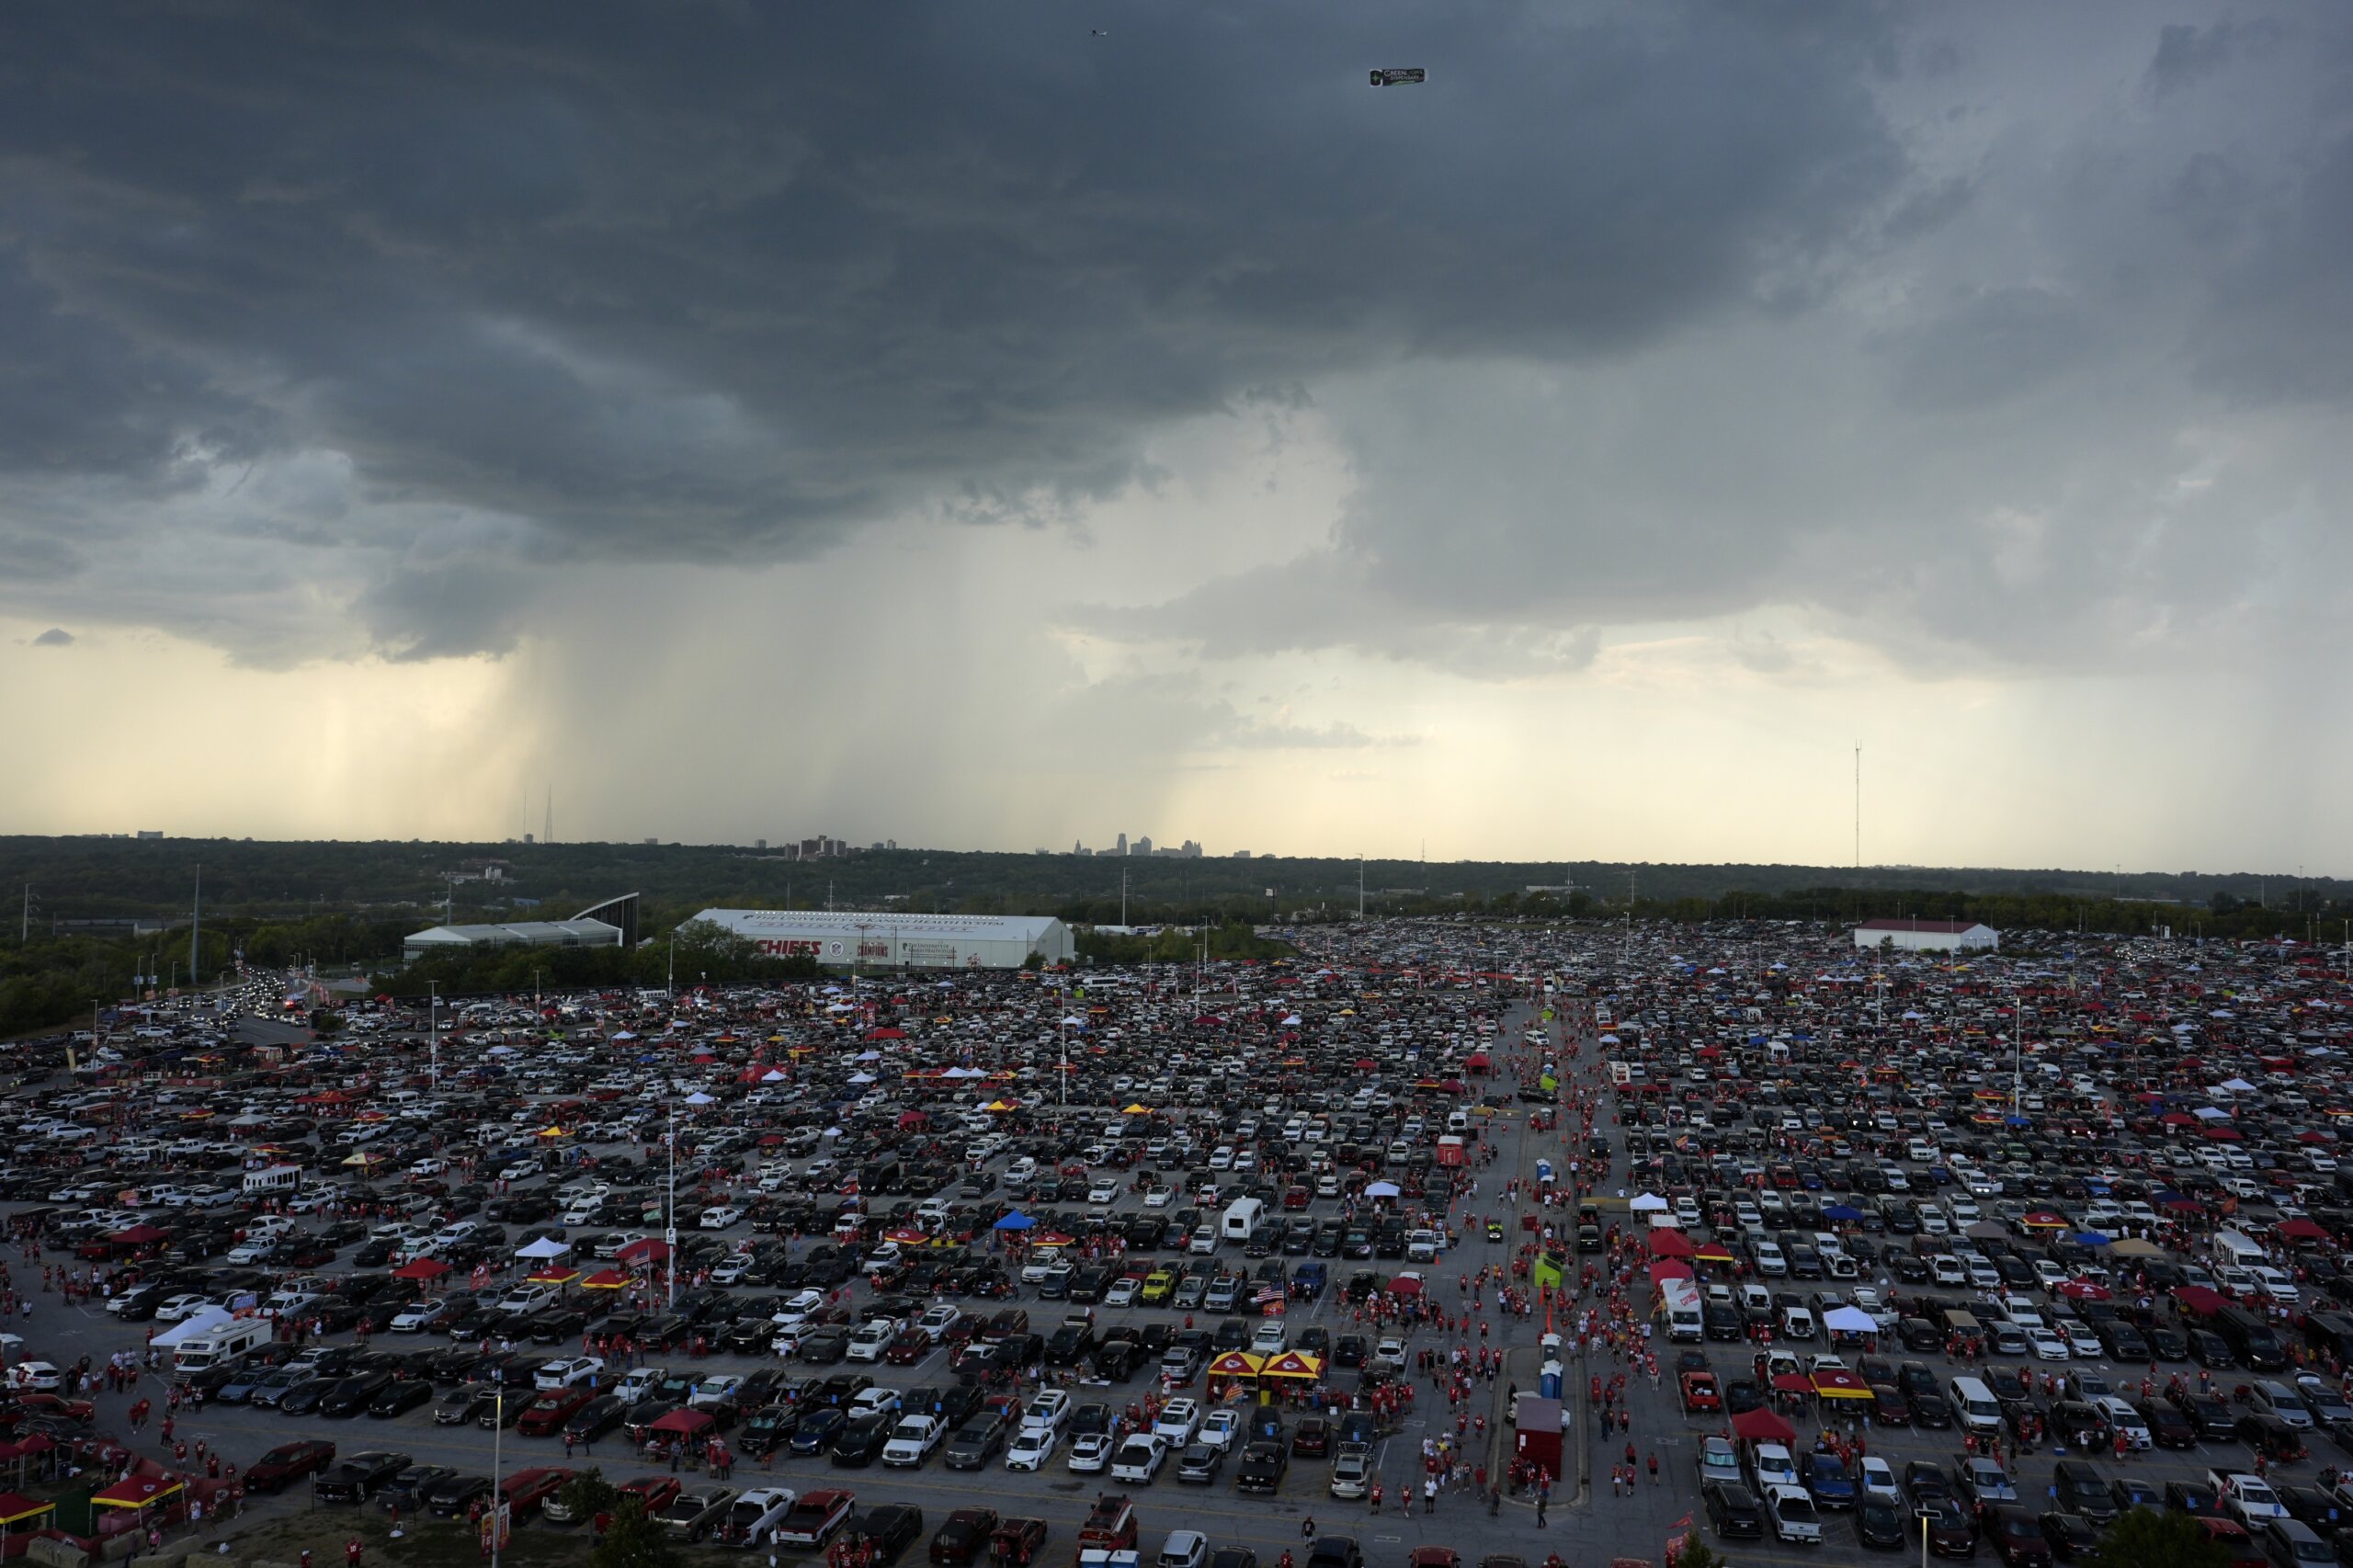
1927, 936
886, 940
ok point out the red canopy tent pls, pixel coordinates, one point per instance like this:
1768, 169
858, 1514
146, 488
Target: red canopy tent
1761, 1426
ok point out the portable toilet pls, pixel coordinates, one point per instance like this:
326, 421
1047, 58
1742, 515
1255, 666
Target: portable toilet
1543, 1173
1547, 1379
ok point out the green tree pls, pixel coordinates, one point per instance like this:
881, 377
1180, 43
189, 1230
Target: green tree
2145, 1538
1697, 1553
633, 1540
587, 1495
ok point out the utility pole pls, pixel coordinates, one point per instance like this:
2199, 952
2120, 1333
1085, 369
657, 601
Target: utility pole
1359, 887
670, 1217
433, 1028
2017, 1047
1123, 899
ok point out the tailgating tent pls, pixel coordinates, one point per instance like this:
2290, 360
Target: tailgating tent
1647, 1203
16, 1509
645, 1249
1836, 1382
686, 1422
1849, 1320
137, 1492
1292, 1364
544, 1247
1668, 1242
423, 1269
1015, 1222
1761, 1426
1382, 1189
605, 1280
2133, 1246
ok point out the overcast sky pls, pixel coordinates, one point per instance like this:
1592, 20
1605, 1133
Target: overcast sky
936, 421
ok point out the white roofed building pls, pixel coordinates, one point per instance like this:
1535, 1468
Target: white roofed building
1926, 936
886, 940
520, 934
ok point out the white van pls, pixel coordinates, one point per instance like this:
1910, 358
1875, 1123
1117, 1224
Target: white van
2236, 1249
1242, 1217
1974, 1405
274, 1180
224, 1344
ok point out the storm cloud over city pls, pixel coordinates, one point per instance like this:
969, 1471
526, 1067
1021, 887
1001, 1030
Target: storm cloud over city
975, 424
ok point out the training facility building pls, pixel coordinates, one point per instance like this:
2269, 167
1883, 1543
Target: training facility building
886, 940
1927, 936
612, 924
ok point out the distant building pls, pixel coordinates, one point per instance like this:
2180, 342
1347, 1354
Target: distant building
520, 934
1927, 936
894, 939
149, 832
1122, 847
612, 924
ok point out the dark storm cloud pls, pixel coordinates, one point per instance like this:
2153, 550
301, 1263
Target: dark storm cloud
2072, 401
2186, 53
719, 282
1990, 344
55, 637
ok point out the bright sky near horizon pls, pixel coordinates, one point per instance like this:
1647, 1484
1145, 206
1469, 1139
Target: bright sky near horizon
972, 431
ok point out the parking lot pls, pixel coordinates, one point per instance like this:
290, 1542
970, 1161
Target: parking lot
914, 1267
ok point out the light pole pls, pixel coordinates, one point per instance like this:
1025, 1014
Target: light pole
433, 1028
497, 1485
2018, 1046
670, 1214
